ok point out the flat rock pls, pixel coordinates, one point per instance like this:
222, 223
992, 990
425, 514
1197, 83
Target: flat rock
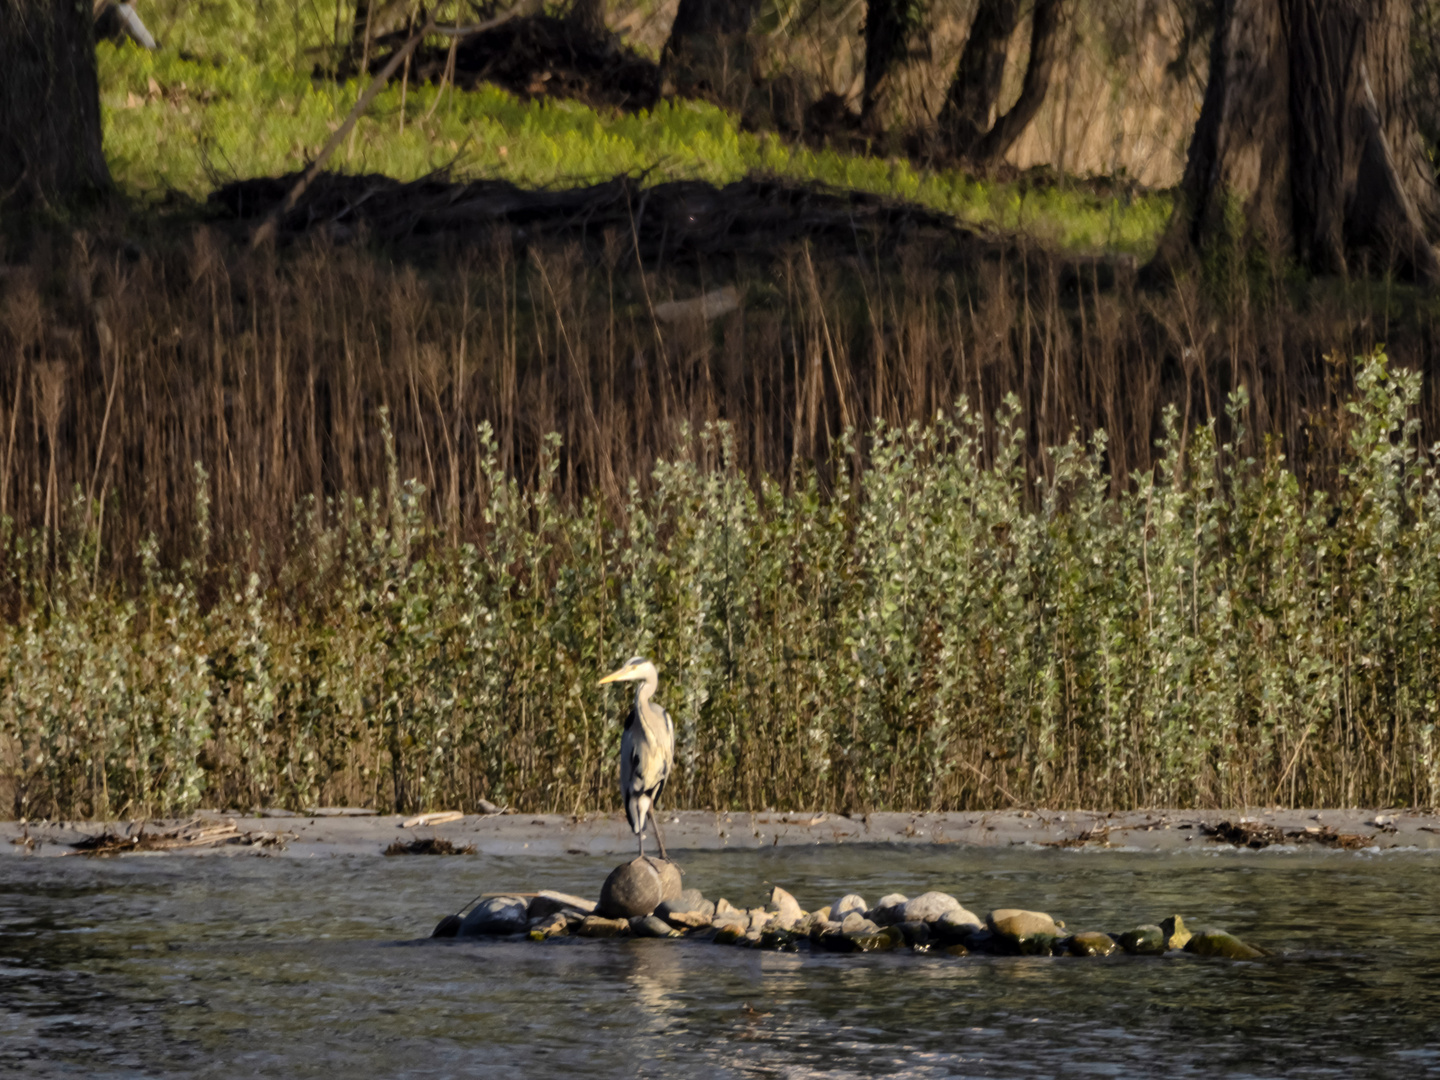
638, 888
688, 902
726, 910
497, 915
686, 920
548, 902
596, 926
1091, 943
1147, 940
1221, 943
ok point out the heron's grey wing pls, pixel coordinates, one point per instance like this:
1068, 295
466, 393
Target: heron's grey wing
664, 751
629, 762
669, 742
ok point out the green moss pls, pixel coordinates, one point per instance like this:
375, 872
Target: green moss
231, 95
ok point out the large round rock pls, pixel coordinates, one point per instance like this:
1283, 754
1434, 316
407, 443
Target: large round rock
638, 888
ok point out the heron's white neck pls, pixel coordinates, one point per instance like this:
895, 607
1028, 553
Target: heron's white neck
645, 689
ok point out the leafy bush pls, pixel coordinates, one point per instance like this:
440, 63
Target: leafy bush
938, 632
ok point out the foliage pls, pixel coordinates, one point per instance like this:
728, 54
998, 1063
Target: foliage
938, 632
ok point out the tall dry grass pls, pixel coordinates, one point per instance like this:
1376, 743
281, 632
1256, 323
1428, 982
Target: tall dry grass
323, 528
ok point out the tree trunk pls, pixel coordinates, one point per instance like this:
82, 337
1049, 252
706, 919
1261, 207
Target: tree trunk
587, 19
975, 92
1306, 139
50, 149
888, 28
707, 48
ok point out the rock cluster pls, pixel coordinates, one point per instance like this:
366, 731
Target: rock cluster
644, 899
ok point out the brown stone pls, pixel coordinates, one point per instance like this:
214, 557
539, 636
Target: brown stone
1092, 943
1017, 923
595, 926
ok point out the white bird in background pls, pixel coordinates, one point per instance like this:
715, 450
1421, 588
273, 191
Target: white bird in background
647, 749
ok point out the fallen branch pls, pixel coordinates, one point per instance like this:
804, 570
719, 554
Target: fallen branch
439, 817
267, 227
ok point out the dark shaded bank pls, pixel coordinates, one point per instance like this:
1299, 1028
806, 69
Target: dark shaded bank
689, 222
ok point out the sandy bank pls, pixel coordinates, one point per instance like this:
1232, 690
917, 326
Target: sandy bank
327, 833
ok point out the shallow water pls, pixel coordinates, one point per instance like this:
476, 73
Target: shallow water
282, 967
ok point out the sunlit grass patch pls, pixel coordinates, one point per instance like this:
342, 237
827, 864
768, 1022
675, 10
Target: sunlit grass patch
192, 115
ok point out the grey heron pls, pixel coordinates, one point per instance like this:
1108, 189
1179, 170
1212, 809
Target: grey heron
647, 749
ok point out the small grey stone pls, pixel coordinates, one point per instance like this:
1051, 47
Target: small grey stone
1147, 940
855, 923
1091, 943
888, 911
651, 926
497, 915
956, 926
930, 906
846, 904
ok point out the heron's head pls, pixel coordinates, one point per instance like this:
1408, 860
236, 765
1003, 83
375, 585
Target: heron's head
633, 670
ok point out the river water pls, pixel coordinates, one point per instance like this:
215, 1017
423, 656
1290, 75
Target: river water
284, 967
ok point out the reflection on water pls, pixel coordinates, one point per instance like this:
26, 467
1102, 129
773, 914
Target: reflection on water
293, 968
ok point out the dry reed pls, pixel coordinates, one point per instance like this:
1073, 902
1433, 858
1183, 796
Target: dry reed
323, 527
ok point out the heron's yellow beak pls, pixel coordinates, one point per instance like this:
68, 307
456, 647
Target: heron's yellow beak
616, 676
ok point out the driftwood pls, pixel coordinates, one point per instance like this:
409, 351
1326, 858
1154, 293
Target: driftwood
266, 229
196, 833
677, 220
439, 817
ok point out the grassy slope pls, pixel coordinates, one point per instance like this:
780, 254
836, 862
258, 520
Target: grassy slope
230, 95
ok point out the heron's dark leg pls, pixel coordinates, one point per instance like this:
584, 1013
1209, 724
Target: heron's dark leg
658, 838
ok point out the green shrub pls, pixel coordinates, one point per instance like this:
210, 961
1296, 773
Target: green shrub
940, 632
